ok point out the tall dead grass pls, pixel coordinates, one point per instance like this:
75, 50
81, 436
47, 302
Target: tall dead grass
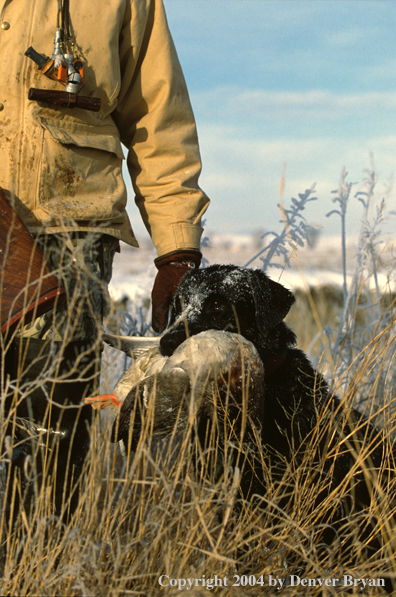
175, 511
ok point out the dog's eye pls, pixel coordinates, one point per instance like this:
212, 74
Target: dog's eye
217, 305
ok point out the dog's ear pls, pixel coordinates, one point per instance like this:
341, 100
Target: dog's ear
272, 300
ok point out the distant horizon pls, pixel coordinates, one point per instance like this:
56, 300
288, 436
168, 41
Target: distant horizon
240, 234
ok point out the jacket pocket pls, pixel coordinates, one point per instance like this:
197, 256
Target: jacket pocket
80, 175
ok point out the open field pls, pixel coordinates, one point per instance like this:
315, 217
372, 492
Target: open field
162, 518
145, 526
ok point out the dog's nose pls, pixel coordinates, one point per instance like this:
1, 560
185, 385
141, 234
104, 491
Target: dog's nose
170, 341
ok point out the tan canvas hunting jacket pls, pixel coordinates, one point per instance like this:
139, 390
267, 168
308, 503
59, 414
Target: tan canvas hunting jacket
63, 166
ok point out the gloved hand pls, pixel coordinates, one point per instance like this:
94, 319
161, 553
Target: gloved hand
171, 269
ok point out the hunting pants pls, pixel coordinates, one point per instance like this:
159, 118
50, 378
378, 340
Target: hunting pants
52, 365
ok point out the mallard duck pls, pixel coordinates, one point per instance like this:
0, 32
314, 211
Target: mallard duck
178, 390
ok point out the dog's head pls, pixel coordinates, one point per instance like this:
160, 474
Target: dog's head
229, 298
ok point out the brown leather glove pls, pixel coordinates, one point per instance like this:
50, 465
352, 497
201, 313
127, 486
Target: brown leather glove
171, 269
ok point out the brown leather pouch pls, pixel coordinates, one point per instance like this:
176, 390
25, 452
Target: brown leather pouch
27, 287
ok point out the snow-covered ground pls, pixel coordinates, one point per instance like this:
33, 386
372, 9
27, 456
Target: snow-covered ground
134, 269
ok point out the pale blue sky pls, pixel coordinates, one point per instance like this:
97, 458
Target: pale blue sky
308, 83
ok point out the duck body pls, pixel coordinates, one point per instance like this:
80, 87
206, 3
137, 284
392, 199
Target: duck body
190, 385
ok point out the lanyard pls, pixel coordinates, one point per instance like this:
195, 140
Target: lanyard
64, 66
64, 43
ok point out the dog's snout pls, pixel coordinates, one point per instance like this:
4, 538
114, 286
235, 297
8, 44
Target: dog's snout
170, 341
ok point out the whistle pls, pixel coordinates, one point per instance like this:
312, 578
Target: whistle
70, 73
44, 64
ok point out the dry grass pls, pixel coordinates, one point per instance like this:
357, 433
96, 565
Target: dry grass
175, 510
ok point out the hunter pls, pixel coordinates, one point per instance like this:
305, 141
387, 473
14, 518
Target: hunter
108, 81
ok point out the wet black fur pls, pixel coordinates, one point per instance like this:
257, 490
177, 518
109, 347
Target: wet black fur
297, 404
236, 299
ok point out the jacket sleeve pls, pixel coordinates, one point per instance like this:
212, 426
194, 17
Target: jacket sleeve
156, 123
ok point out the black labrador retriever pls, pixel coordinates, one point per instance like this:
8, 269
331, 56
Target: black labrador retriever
297, 403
